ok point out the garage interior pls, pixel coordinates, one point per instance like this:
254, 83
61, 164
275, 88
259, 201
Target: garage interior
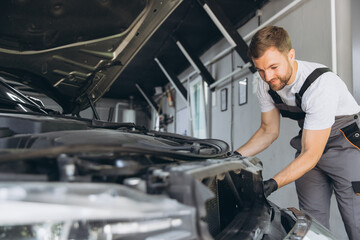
193, 76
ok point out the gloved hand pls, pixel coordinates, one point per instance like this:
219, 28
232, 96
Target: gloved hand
270, 186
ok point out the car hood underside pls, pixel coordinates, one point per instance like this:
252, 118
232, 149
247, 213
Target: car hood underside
74, 51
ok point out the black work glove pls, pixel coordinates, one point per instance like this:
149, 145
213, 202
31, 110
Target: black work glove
270, 186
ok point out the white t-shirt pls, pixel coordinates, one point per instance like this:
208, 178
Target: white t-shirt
326, 97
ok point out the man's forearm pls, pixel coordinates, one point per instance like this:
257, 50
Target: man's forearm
264, 136
257, 143
313, 144
297, 168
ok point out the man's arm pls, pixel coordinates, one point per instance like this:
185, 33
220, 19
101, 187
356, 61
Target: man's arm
264, 136
313, 143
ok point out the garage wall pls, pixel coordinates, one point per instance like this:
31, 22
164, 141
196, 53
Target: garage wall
355, 29
309, 26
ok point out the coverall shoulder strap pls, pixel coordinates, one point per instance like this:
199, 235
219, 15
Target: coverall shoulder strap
277, 99
308, 81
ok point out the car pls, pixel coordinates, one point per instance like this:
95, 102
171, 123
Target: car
67, 177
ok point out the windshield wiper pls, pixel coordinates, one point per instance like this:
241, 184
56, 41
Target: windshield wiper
15, 103
13, 97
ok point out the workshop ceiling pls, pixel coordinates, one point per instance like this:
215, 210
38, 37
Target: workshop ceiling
190, 23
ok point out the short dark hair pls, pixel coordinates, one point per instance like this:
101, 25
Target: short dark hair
270, 36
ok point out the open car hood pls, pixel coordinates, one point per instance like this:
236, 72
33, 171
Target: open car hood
73, 51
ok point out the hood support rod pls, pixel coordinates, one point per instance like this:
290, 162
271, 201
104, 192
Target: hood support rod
151, 102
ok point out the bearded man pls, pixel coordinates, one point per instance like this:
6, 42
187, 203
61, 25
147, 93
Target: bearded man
328, 144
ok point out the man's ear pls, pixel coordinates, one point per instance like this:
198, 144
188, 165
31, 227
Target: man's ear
291, 55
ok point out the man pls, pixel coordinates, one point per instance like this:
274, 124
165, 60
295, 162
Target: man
328, 145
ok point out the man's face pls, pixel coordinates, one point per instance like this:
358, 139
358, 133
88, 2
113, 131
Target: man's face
275, 68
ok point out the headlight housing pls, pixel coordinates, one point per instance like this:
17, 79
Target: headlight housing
307, 228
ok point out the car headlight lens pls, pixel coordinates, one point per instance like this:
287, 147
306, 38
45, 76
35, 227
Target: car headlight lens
307, 228
90, 211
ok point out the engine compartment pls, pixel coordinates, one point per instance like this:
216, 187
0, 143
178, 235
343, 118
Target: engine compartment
226, 192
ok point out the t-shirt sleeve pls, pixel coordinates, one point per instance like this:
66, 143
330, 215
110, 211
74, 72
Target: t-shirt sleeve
265, 101
320, 102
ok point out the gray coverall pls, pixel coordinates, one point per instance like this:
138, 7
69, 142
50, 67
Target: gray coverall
338, 168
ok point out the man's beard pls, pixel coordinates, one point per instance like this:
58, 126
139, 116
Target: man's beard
283, 80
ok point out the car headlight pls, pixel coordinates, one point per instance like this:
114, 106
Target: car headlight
90, 211
307, 228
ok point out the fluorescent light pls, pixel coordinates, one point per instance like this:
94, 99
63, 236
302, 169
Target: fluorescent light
219, 25
169, 78
183, 50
